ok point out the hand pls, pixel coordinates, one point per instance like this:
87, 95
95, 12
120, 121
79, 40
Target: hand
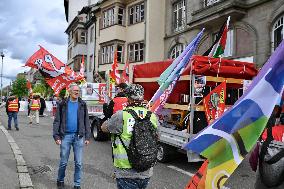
87, 142
58, 142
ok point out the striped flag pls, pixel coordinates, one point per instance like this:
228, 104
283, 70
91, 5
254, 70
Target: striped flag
171, 75
228, 139
218, 47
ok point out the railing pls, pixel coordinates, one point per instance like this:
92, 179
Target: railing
210, 2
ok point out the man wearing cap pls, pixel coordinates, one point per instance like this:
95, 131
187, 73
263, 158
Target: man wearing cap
12, 109
121, 123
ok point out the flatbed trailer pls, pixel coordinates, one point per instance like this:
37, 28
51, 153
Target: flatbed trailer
184, 113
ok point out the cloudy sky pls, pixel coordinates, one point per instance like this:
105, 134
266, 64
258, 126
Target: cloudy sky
25, 24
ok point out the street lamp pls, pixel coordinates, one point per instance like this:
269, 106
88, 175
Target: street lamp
2, 56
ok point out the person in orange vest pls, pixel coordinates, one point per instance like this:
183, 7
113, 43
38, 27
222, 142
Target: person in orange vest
34, 106
12, 109
119, 102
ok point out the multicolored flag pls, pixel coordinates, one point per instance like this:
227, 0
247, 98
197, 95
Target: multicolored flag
172, 74
228, 139
55, 72
214, 102
218, 47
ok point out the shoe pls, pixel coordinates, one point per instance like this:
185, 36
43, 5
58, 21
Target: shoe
17, 128
31, 122
77, 187
9, 129
60, 185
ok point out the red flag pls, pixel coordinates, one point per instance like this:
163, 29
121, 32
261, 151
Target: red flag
198, 180
55, 72
82, 68
214, 102
115, 76
125, 73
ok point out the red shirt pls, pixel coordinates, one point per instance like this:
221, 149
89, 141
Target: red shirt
277, 133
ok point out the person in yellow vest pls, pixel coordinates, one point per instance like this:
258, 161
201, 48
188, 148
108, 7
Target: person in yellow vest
121, 125
12, 109
34, 106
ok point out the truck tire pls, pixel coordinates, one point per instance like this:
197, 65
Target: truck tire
164, 152
96, 131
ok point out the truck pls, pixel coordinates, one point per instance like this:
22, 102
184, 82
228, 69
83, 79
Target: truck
183, 114
95, 95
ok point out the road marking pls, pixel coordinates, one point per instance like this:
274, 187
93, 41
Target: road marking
188, 173
180, 170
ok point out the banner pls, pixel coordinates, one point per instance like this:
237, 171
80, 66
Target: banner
214, 102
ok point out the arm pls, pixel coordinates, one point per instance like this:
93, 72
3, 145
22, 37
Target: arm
7, 106
56, 124
114, 124
87, 126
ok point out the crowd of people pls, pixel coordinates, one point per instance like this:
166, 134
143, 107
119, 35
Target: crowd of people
126, 114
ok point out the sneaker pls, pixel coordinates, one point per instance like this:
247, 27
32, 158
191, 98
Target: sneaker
60, 185
77, 187
17, 128
9, 129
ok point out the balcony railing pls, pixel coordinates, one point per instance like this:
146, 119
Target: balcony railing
210, 2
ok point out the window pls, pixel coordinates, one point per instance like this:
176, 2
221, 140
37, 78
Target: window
229, 43
277, 33
136, 13
108, 18
90, 63
210, 2
108, 51
92, 34
83, 38
136, 52
70, 53
179, 15
120, 16
176, 51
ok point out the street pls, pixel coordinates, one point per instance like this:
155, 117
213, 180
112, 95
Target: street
42, 157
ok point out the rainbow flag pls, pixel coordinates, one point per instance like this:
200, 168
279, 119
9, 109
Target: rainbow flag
172, 74
229, 138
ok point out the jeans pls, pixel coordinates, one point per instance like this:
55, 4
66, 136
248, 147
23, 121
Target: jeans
13, 115
127, 183
65, 147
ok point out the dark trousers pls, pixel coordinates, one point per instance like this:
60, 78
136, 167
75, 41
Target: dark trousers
12, 115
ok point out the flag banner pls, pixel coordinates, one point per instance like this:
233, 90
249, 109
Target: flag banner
166, 87
198, 180
125, 74
214, 102
55, 72
218, 47
229, 138
114, 75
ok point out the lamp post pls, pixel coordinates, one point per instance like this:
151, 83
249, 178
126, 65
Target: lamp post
2, 56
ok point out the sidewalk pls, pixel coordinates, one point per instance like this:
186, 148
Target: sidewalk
8, 164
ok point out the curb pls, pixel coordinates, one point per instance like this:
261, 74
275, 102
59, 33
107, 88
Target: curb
22, 169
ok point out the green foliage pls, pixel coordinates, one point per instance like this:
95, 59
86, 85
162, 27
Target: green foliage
62, 93
19, 87
39, 88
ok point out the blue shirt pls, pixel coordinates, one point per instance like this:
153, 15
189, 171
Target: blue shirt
72, 117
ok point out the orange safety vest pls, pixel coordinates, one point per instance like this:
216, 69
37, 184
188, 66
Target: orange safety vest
119, 103
13, 105
35, 105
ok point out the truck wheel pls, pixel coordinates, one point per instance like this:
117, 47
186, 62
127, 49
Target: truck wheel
96, 131
164, 152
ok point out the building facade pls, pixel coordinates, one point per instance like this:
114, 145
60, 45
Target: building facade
255, 30
154, 30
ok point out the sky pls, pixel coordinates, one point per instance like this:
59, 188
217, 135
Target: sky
26, 24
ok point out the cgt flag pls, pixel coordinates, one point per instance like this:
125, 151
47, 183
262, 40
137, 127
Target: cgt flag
214, 102
56, 73
227, 140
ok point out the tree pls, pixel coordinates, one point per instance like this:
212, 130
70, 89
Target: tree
39, 88
19, 87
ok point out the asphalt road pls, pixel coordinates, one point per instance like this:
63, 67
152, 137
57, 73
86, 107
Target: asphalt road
42, 157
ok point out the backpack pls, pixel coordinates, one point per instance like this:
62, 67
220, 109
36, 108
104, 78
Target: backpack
271, 159
143, 147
